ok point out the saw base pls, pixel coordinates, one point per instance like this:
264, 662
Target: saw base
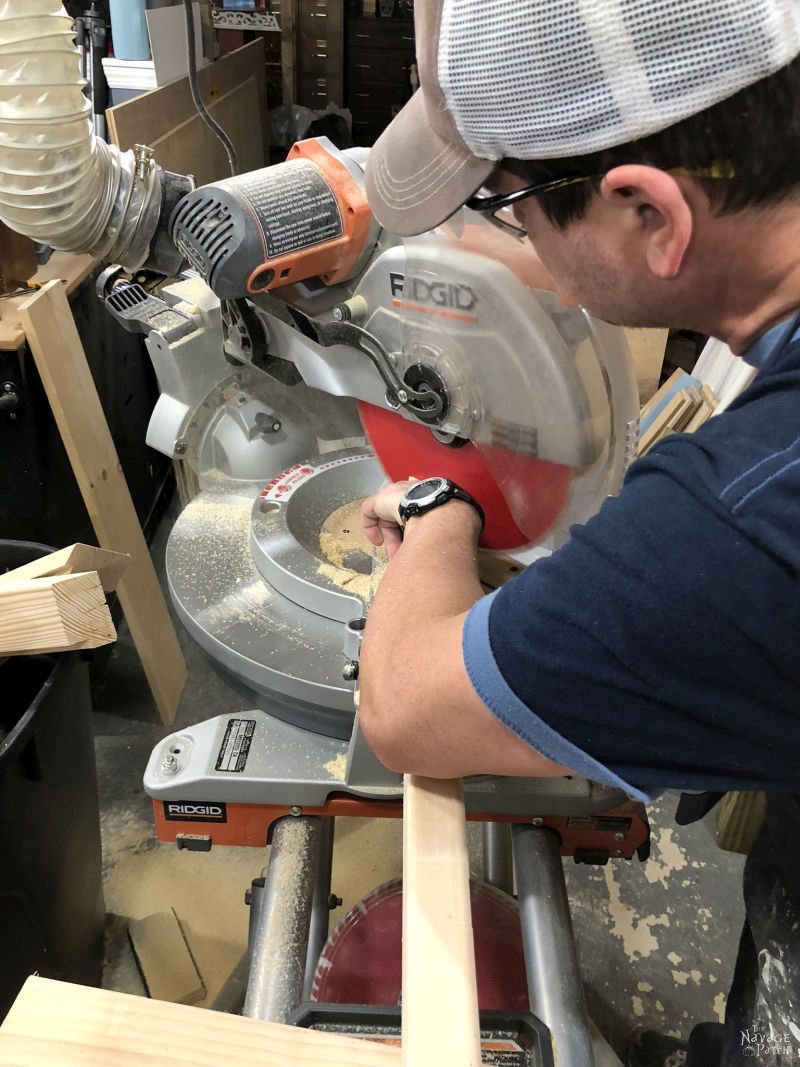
253, 578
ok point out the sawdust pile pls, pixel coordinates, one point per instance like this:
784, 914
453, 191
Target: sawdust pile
349, 554
337, 767
342, 541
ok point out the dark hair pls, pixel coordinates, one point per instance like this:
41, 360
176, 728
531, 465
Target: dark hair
757, 131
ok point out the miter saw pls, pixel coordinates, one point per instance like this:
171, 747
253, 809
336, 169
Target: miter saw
303, 357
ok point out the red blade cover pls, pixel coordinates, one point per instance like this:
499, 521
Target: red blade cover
408, 449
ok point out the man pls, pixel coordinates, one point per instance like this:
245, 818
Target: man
675, 128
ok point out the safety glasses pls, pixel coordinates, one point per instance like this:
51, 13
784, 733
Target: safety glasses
497, 208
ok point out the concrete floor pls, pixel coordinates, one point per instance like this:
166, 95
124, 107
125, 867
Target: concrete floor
656, 941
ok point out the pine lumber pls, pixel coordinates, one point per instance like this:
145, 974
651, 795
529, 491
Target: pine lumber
58, 613
165, 963
75, 559
440, 995
53, 339
63, 1025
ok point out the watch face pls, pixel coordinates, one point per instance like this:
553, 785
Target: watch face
423, 490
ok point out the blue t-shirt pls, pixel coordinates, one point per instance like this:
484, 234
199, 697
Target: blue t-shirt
660, 647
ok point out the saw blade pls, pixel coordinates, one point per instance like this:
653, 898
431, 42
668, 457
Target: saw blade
538, 489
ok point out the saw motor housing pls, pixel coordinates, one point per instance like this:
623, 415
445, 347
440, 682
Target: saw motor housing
305, 218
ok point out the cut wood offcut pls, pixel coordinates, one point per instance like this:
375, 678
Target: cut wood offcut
56, 614
57, 604
76, 559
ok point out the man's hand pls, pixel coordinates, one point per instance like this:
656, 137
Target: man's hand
380, 519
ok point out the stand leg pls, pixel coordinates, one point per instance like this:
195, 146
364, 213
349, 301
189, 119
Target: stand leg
498, 861
278, 953
551, 961
320, 910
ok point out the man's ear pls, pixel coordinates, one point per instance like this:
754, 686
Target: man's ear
662, 216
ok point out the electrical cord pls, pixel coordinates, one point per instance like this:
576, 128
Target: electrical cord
202, 110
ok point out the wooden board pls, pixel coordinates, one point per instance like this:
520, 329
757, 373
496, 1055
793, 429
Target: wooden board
289, 49
61, 361
165, 963
75, 559
72, 270
440, 993
54, 614
54, 1024
235, 92
188, 150
647, 349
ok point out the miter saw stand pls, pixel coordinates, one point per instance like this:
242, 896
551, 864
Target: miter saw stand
263, 780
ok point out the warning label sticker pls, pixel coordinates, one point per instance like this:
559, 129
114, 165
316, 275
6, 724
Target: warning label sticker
295, 206
235, 746
603, 823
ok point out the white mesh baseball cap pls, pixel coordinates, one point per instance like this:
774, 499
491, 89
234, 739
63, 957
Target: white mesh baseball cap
542, 79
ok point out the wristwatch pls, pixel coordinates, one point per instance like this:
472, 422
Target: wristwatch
432, 493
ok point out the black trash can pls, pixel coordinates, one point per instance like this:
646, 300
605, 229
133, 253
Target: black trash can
52, 914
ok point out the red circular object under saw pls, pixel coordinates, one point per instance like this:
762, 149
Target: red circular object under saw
409, 450
362, 960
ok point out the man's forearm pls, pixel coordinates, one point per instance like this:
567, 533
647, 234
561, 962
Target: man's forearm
432, 578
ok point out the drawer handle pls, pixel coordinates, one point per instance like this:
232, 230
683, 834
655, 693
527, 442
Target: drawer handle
363, 66
365, 96
408, 39
362, 37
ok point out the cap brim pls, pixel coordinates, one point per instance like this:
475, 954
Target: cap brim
415, 179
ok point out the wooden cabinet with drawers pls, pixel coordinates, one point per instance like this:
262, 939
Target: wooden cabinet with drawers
379, 56
312, 32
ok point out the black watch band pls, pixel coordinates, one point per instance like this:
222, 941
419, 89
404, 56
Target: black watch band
433, 493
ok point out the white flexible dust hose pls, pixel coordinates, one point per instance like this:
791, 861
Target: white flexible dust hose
60, 184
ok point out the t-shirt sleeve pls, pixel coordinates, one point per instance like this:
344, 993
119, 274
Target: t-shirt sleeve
656, 649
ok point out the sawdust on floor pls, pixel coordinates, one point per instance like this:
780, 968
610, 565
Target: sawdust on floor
367, 853
142, 876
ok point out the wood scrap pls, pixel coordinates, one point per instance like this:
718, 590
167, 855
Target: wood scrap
61, 361
497, 568
647, 347
440, 994
165, 961
708, 405
58, 613
680, 403
71, 270
75, 559
234, 89
64, 1025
